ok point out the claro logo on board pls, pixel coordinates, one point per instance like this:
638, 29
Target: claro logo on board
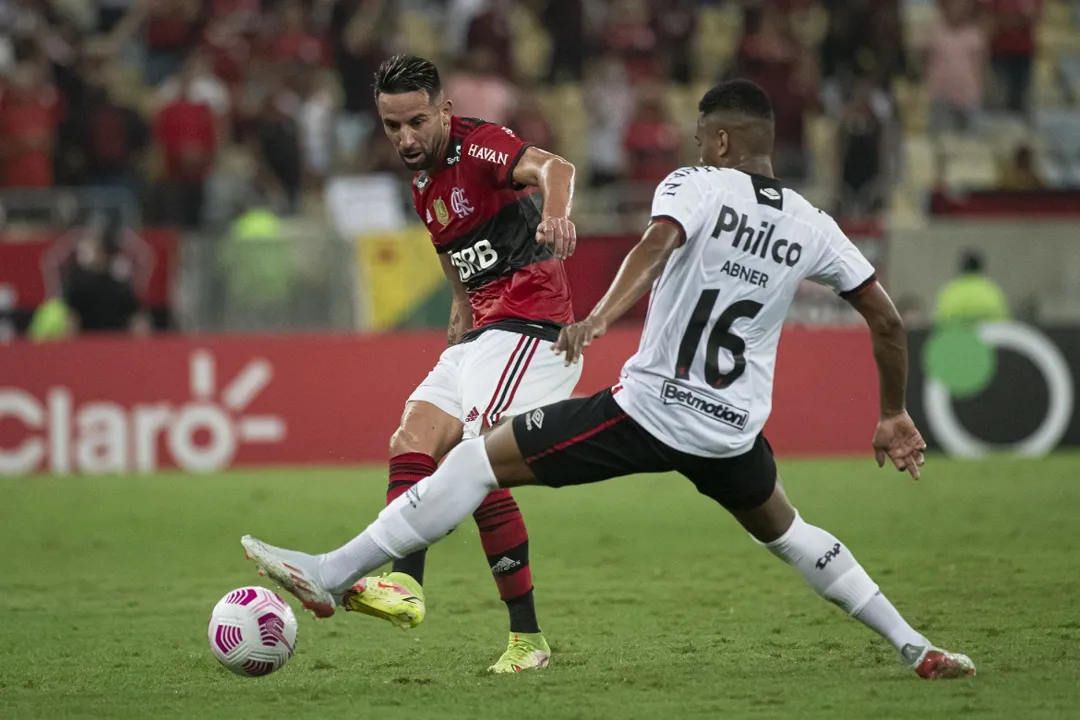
200, 435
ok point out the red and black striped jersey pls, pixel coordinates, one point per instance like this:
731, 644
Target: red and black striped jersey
487, 224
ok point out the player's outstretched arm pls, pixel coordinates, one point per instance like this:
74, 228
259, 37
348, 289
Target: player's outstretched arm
636, 275
896, 438
460, 309
555, 178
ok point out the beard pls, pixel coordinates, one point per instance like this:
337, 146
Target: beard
421, 161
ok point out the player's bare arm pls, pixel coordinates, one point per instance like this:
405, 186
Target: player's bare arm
555, 178
896, 437
636, 275
461, 320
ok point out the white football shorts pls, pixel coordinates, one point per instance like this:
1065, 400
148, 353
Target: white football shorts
498, 374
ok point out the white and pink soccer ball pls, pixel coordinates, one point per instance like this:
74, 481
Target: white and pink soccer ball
252, 631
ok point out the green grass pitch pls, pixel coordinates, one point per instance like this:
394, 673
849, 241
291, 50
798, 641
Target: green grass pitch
654, 601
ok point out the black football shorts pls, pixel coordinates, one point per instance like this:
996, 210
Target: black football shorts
586, 440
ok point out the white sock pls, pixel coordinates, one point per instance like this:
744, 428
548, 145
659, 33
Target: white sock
830, 568
880, 615
420, 517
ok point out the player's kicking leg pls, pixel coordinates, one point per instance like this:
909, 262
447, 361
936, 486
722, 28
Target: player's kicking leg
473, 386
497, 375
427, 433
589, 440
433, 507
417, 519
747, 486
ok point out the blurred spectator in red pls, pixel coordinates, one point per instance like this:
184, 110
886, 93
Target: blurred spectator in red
863, 154
609, 103
629, 35
359, 30
530, 123
674, 23
490, 30
773, 59
203, 86
185, 131
29, 118
228, 44
479, 90
652, 139
955, 66
564, 21
172, 28
111, 139
1012, 48
295, 39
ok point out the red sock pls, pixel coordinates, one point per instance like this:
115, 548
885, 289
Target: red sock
406, 470
506, 544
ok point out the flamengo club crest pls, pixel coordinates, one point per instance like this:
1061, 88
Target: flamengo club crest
459, 203
441, 213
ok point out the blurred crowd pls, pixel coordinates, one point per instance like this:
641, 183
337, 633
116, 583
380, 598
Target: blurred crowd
196, 109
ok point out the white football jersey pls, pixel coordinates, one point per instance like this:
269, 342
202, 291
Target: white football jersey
701, 380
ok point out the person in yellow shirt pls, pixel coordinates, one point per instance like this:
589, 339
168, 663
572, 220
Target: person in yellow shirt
972, 297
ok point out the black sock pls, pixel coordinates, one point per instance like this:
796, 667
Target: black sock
412, 565
523, 614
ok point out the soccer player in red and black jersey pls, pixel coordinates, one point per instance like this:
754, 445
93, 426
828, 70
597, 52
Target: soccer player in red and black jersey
497, 209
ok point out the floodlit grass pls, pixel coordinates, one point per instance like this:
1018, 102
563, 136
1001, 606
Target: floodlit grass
655, 603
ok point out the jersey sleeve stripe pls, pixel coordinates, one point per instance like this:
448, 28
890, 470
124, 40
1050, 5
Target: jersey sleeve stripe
514, 163
671, 221
846, 294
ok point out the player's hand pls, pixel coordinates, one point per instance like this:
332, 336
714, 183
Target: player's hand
560, 234
575, 338
898, 439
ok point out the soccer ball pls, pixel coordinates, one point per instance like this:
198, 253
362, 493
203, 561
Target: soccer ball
252, 631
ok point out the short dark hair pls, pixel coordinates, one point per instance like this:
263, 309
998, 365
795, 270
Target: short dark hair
407, 73
737, 96
971, 261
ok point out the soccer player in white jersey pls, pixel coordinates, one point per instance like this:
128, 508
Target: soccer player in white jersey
724, 253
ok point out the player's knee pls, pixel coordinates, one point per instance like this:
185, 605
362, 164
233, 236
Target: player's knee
404, 441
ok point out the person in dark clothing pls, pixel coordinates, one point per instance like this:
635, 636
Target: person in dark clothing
357, 31
564, 21
675, 23
100, 298
112, 138
862, 155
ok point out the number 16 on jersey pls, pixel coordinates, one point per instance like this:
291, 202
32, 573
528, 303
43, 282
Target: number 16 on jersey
720, 337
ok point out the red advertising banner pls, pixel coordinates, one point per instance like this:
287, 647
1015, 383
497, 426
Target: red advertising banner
207, 403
